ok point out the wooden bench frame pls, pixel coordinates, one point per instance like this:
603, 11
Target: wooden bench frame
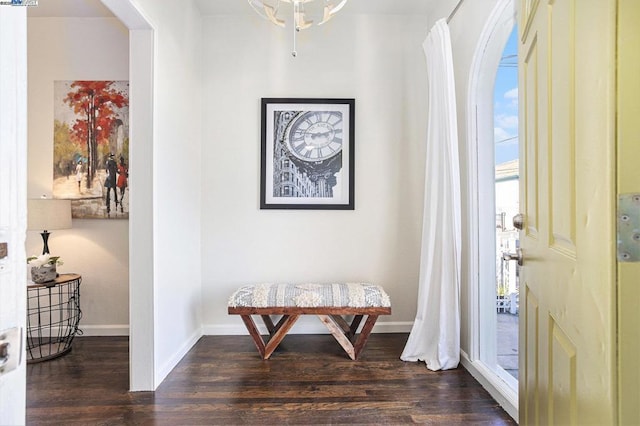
332, 317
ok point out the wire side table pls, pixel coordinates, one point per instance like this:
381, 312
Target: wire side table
53, 315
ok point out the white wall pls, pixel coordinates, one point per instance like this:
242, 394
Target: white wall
379, 61
78, 49
177, 179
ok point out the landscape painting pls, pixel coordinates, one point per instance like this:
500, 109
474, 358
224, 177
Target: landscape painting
91, 147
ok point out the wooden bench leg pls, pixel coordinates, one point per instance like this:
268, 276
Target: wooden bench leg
277, 333
268, 323
271, 328
343, 336
255, 334
339, 335
355, 323
282, 329
280, 323
346, 328
364, 334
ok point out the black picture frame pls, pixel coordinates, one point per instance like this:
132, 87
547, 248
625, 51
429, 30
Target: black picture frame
307, 154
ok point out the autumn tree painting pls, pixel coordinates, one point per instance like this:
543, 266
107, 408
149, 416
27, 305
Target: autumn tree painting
90, 126
94, 103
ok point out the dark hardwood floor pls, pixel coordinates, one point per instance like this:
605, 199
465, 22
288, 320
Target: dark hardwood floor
223, 381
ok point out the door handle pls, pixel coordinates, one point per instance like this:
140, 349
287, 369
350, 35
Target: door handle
518, 221
10, 349
514, 256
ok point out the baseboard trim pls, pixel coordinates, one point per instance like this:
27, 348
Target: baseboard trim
239, 329
300, 328
104, 330
497, 388
166, 368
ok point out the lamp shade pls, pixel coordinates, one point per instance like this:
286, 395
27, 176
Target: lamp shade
48, 214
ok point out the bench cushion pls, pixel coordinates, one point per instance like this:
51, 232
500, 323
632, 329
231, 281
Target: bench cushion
353, 295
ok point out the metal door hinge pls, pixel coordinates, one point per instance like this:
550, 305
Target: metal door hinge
629, 228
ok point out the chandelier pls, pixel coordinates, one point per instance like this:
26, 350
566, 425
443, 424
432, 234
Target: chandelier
270, 9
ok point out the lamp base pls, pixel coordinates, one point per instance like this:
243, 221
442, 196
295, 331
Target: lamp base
45, 239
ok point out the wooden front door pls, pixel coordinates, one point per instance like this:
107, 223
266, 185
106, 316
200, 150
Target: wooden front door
628, 135
567, 143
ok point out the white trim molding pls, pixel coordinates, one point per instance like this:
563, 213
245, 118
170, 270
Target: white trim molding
142, 55
497, 388
164, 370
13, 199
481, 361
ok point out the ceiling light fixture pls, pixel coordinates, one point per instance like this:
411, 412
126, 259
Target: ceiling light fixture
270, 10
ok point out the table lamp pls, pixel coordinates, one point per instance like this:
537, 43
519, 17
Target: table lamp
45, 214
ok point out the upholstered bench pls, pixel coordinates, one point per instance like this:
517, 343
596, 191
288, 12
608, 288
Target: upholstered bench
328, 301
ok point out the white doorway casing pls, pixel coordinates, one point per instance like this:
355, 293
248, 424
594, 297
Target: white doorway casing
141, 223
165, 172
481, 360
13, 203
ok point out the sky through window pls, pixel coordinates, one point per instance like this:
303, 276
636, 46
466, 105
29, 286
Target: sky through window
506, 103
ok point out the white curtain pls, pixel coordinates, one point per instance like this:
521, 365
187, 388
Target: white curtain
435, 336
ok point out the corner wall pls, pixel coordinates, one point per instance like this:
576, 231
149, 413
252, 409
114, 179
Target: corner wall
379, 61
177, 180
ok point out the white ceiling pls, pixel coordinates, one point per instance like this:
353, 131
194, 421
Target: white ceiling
69, 8
95, 8
386, 7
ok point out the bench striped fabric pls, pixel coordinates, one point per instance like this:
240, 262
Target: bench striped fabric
353, 295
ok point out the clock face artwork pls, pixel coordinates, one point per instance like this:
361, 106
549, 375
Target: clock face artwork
315, 136
306, 153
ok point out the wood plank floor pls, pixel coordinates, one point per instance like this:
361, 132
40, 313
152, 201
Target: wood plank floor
223, 381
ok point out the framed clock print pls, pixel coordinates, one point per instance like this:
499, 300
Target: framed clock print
307, 155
